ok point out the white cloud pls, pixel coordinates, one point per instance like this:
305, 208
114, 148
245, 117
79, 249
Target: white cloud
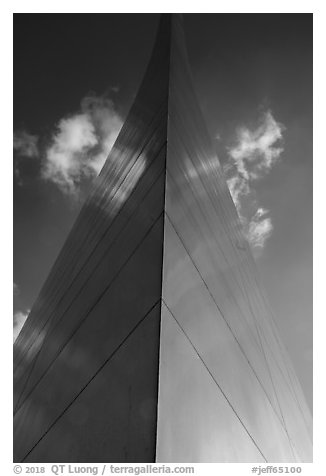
259, 229
254, 153
26, 144
19, 320
66, 159
81, 143
239, 188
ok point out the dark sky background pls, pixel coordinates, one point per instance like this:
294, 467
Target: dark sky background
243, 65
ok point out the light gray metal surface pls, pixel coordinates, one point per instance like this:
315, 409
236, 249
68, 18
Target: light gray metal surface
234, 398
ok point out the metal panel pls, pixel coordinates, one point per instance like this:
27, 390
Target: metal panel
114, 418
211, 290
105, 281
196, 423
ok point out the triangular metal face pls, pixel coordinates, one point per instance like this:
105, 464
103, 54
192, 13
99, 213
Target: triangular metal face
154, 302
226, 389
86, 362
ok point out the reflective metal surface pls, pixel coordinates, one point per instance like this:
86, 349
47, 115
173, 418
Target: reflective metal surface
226, 389
86, 362
151, 338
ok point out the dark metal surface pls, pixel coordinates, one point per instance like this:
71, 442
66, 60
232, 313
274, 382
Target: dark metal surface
105, 281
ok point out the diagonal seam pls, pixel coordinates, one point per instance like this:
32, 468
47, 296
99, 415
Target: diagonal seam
93, 377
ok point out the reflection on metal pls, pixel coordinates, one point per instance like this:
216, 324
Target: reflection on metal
151, 339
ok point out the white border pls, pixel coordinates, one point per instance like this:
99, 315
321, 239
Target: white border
230, 6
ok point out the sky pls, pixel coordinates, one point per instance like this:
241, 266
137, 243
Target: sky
75, 77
